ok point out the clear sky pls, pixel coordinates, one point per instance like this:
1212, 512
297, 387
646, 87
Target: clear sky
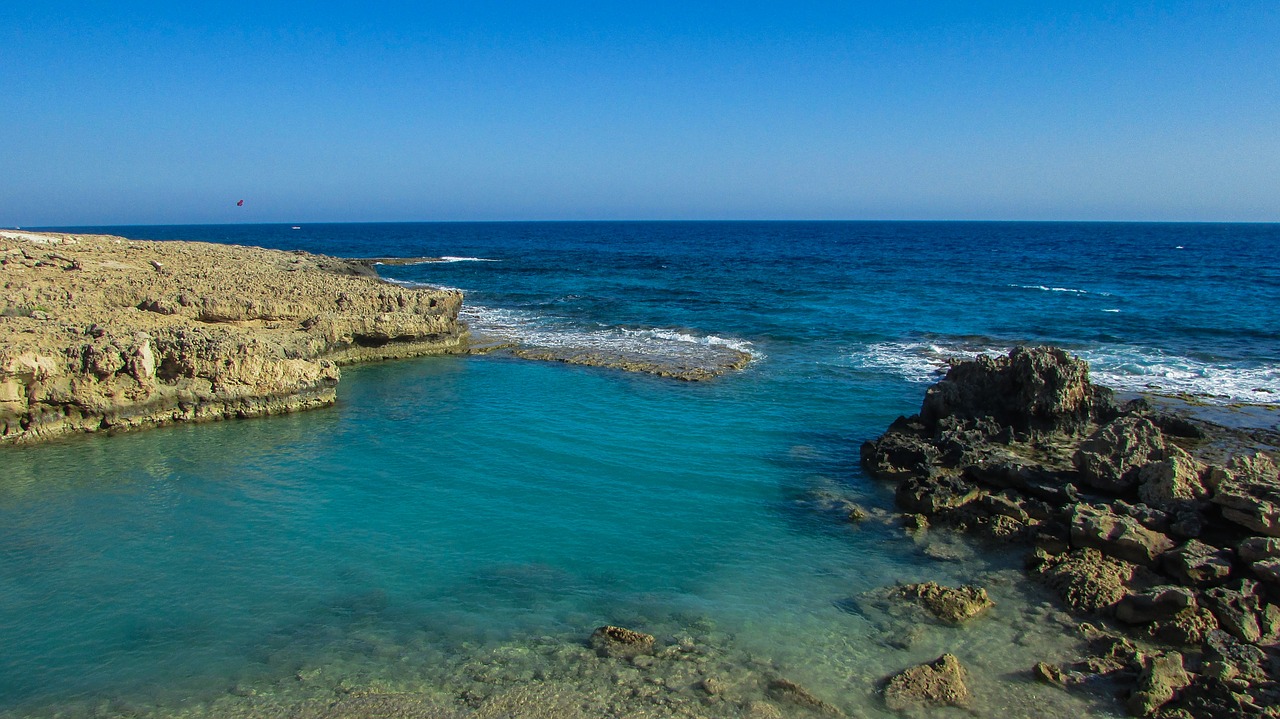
138, 113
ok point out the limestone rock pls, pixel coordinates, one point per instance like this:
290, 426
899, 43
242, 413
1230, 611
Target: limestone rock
1033, 390
1173, 483
1267, 570
949, 604
937, 683
1111, 458
929, 495
1255, 548
618, 642
1236, 608
1086, 580
1119, 536
897, 455
1157, 603
1196, 563
1187, 628
1249, 493
217, 331
1161, 678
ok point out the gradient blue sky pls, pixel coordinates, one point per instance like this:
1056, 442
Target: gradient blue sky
138, 113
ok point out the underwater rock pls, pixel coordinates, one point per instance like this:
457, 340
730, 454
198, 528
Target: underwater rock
621, 643
785, 690
954, 605
937, 683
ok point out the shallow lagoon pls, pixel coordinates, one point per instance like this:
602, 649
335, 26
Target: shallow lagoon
450, 511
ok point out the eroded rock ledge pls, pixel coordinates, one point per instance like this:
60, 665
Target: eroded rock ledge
1134, 516
100, 332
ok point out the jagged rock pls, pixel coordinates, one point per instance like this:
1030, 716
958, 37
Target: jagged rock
936, 683
1157, 603
1109, 653
1267, 570
1187, 628
1237, 608
1173, 483
1056, 675
1197, 563
1226, 658
785, 690
1249, 493
1161, 678
898, 454
930, 495
611, 641
1034, 391
1255, 548
1119, 536
1111, 458
222, 332
950, 604
1086, 580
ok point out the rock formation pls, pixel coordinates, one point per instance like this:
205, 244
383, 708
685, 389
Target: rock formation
101, 333
1130, 513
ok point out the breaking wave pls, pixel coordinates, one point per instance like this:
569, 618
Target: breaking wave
1121, 367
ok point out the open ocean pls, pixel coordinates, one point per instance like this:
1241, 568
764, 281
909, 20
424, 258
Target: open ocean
448, 508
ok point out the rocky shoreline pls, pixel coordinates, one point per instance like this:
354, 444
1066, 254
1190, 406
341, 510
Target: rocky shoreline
105, 333
1161, 530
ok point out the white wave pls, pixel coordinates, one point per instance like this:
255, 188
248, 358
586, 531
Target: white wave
1121, 367
1069, 290
448, 258
422, 285
539, 331
1112, 310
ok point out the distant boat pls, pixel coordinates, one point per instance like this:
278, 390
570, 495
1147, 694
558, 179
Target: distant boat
296, 227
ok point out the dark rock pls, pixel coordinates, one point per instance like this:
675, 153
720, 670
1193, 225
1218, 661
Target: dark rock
1226, 658
936, 683
1255, 548
1157, 603
1118, 536
1161, 678
1188, 628
611, 641
1267, 570
1111, 458
1109, 653
896, 455
1236, 608
788, 691
1187, 525
1034, 391
929, 495
948, 603
1196, 563
1249, 493
1086, 580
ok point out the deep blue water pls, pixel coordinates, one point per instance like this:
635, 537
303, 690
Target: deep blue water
476, 500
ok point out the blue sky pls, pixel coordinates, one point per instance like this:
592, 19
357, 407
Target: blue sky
138, 113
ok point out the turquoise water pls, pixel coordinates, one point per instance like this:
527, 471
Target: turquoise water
447, 509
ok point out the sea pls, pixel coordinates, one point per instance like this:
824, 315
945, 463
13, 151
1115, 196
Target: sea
454, 528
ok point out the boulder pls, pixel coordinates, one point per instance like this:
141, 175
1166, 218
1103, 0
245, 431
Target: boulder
1255, 548
1034, 391
1236, 608
1086, 580
617, 642
1267, 570
1196, 563
1119, 536
1187, 628
1157, 603
936, 683
1112, 457
1173, 483
1248, 492
1161, 678
949, 604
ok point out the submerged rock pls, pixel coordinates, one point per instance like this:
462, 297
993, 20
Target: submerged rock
937, 683
785, 690
949, 604
618, 642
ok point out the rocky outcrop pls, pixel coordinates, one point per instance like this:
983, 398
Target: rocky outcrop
101, 333
933, 684
1130, 513
950, 604
619, 642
